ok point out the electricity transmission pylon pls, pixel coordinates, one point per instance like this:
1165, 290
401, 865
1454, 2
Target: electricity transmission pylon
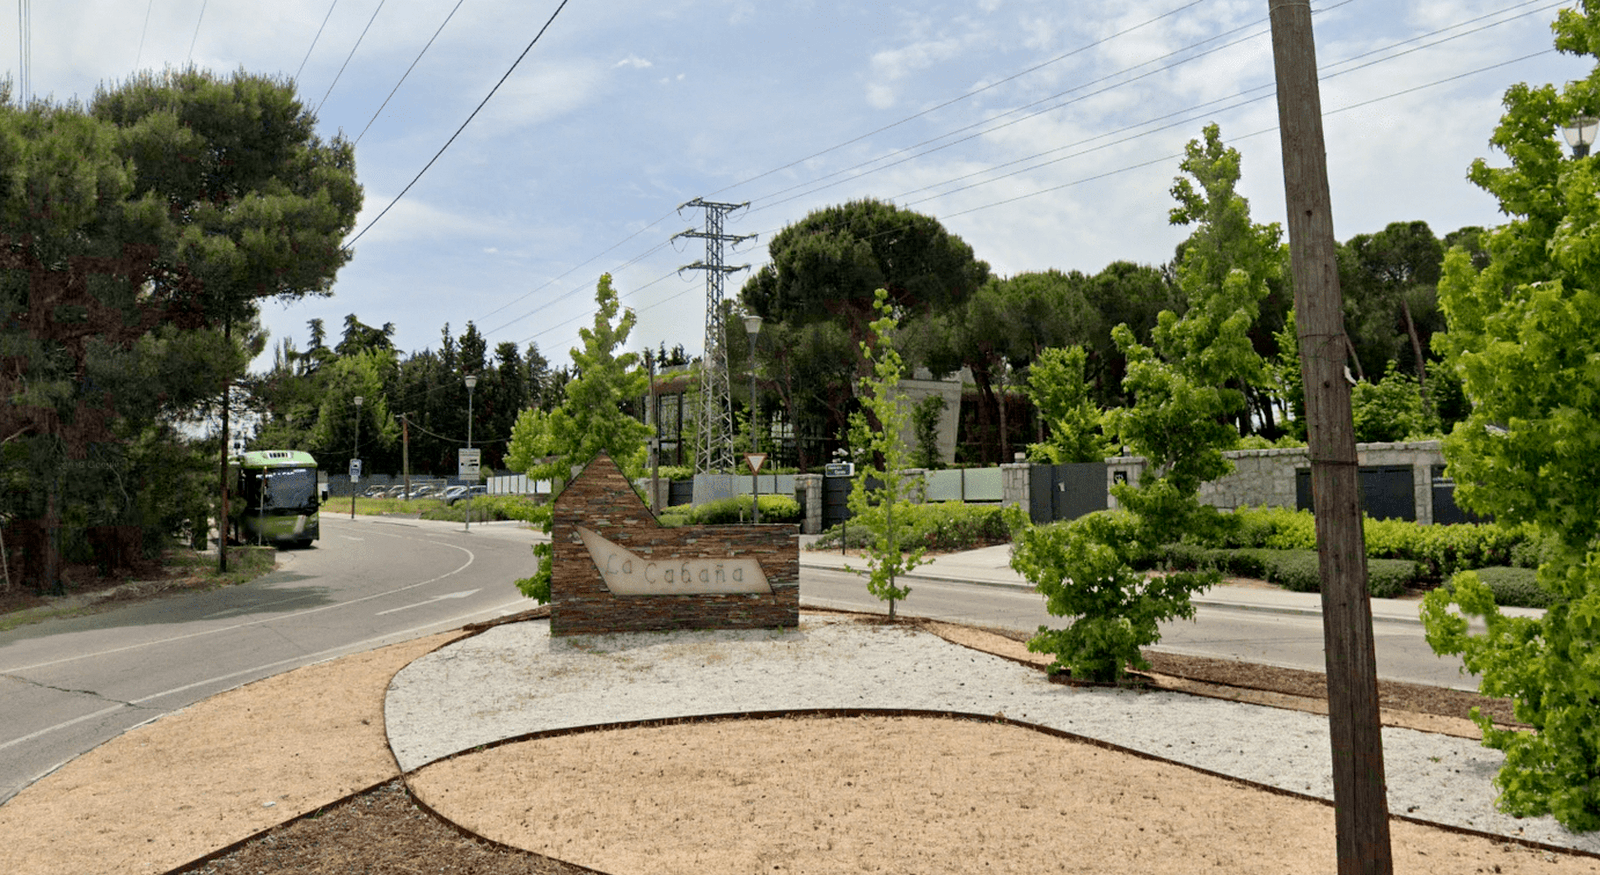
714, 434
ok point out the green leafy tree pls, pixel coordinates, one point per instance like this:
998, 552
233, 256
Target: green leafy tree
925, 416
1389, 280
997, 334
1393, 409
129, 231
260, 204
818, 292
590, 419
1186, 386
1521, 336
1059, 391
884, 491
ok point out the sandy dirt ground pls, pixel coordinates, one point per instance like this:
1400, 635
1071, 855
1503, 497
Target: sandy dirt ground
798, 794
901, 794
215, 773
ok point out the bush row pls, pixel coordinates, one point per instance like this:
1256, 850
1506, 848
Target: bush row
1295, 570
942, 526
723, 511
1440, 551
485, 508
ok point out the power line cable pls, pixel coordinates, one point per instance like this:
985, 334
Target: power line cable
347, 58
140, 54
1202, 42
952, 101
1134, 79
314, 40
1153, 161
1192, 113
912, 117
1258, 133
463, 127
193, 39
975, 92
408, 70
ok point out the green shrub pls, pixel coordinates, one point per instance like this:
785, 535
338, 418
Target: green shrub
736, 509
944, 526
1274, 528
485, 508
1294, 570
673, 518
1387, 578
1515, 587
1081, 568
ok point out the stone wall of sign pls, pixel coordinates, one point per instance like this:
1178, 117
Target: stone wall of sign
626, 544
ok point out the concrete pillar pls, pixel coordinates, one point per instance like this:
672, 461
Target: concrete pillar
1015, 485
808, 491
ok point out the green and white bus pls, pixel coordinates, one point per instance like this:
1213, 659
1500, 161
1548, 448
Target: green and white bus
274, 497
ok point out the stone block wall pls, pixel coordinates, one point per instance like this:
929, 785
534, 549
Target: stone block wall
1267, 477
601, 500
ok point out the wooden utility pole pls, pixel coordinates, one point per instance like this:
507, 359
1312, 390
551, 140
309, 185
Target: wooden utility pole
1361, 806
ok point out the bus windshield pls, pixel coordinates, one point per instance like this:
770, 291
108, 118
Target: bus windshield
291, 489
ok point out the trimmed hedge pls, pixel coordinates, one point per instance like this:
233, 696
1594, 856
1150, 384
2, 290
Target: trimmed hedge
1515, 587
1438, 551
725, 511
1294, 570
943, 526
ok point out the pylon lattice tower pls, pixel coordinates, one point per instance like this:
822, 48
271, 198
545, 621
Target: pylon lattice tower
714, 433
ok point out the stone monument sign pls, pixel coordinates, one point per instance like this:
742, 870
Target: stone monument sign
615, 569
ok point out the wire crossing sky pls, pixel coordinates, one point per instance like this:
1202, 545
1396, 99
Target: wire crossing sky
1045, 134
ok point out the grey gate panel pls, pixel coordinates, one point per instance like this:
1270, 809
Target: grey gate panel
1445, 509
835, 500
1066, 492
1041, 487
1387, 492
680, 492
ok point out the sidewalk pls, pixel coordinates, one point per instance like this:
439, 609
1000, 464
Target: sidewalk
991, 566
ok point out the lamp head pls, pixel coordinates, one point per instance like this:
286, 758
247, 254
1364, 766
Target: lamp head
358, 399
1580, 133
471, 381
752, 324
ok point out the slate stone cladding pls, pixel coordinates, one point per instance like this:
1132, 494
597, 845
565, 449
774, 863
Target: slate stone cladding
601, 499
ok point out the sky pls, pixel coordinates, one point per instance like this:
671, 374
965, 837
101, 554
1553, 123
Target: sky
1044, 134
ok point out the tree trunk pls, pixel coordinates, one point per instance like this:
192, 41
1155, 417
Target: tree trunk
1416, 346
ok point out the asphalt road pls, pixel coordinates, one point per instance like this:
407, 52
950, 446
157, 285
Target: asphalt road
1289, 640
69, 685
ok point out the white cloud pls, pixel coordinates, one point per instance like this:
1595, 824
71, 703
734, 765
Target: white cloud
635, 62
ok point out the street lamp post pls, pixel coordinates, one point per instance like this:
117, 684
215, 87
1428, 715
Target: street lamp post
1580, 134
752, 326
472, 382
355, 455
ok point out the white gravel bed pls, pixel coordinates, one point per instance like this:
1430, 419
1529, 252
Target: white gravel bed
515, 679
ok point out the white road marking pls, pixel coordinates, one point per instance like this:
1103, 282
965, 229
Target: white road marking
449, 595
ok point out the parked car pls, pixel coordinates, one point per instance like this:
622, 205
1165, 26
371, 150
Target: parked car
398, 491
427, 490
375, 492
456, 493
